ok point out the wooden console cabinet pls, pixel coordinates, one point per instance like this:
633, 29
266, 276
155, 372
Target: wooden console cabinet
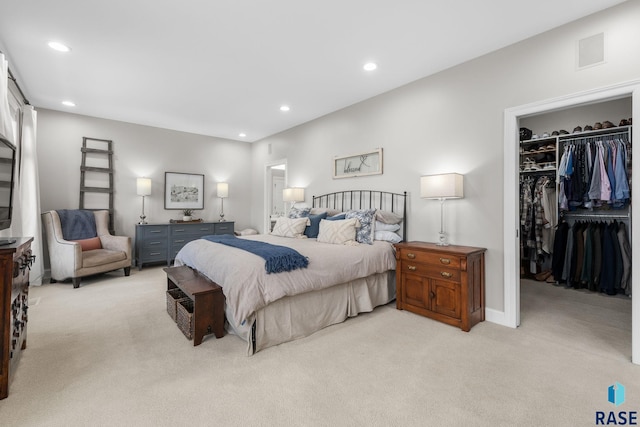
15, 261
161, 242
444, 283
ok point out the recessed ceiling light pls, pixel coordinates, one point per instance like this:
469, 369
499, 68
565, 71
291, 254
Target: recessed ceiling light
242, 134
370, 66
69, 103
285, 108
59, 47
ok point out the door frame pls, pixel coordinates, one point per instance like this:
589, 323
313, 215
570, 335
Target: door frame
511, 244
266, 223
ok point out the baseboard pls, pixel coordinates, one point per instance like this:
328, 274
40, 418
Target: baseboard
495, 316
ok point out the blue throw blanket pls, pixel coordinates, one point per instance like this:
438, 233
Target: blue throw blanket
278, 258
77, 224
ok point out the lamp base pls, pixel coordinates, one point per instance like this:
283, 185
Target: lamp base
221, 217
443, 240
142, 219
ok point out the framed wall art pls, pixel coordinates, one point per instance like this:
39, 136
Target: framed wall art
362, 164
183, 190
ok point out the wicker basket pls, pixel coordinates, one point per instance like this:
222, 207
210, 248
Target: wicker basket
184, 317
173, 296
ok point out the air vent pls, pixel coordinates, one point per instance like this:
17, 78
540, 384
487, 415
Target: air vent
591, 51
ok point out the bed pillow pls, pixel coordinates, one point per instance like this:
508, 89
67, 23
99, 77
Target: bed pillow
367, 224
388, 217
298, 212
289, 227
337, 217
329, 211
387, 236
312, 230
341, 232
89, 244
381, 226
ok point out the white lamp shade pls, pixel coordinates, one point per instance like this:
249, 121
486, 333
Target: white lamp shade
143, 186
441, 186
293, 194
223, 190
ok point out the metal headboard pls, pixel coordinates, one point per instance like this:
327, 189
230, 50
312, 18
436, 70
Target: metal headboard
366, 199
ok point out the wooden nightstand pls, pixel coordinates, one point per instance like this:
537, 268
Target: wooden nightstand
444, 283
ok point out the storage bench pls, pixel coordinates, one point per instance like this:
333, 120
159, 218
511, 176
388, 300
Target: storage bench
207, 316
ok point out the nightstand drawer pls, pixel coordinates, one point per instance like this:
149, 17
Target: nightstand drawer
432, 271
444, 260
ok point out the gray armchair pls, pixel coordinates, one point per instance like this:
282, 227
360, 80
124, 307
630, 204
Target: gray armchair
102, 251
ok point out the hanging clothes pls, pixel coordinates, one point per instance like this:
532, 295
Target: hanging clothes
593, 254
594, 174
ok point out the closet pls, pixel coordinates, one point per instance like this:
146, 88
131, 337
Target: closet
575, 205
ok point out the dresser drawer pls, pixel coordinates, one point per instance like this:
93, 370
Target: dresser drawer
153, 254
431, 271
224, 228
191, 229
431, 258
154, 232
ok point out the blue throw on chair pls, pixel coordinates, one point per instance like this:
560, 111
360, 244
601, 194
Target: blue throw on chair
77, 224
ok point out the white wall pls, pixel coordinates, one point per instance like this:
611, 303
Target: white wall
141, 151
453, 122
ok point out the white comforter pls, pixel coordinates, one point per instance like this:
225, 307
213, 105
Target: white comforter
247, 287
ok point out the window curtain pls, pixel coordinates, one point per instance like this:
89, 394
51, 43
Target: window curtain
6, 122
26, 191
29, 190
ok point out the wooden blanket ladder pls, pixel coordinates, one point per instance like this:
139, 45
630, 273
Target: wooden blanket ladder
96, 176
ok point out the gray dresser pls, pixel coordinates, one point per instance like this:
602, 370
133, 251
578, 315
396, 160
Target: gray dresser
161, 242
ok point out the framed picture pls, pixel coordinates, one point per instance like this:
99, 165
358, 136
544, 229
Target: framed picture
362, 164
183, 191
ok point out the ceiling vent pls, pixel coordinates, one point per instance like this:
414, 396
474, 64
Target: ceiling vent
590, 51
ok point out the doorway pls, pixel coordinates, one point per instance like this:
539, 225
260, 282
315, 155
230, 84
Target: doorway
512, 116
275, 182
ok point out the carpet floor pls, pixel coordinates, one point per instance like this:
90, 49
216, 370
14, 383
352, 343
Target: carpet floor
107, 354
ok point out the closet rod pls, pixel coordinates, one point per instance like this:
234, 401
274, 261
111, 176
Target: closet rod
15, 81
605, 136
596, 215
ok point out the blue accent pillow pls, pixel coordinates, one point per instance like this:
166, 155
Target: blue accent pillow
365, 233
337, 217
311, 231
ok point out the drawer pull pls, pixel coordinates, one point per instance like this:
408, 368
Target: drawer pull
412, 267
432, 294
178, 241
446, 274
154, 253
155, 231
411, 256
154, 243
445, 260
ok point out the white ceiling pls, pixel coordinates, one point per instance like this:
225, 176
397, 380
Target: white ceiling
223, 67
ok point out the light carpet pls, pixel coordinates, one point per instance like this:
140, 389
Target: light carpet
107, 354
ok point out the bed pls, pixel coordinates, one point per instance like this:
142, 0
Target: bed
340, 281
